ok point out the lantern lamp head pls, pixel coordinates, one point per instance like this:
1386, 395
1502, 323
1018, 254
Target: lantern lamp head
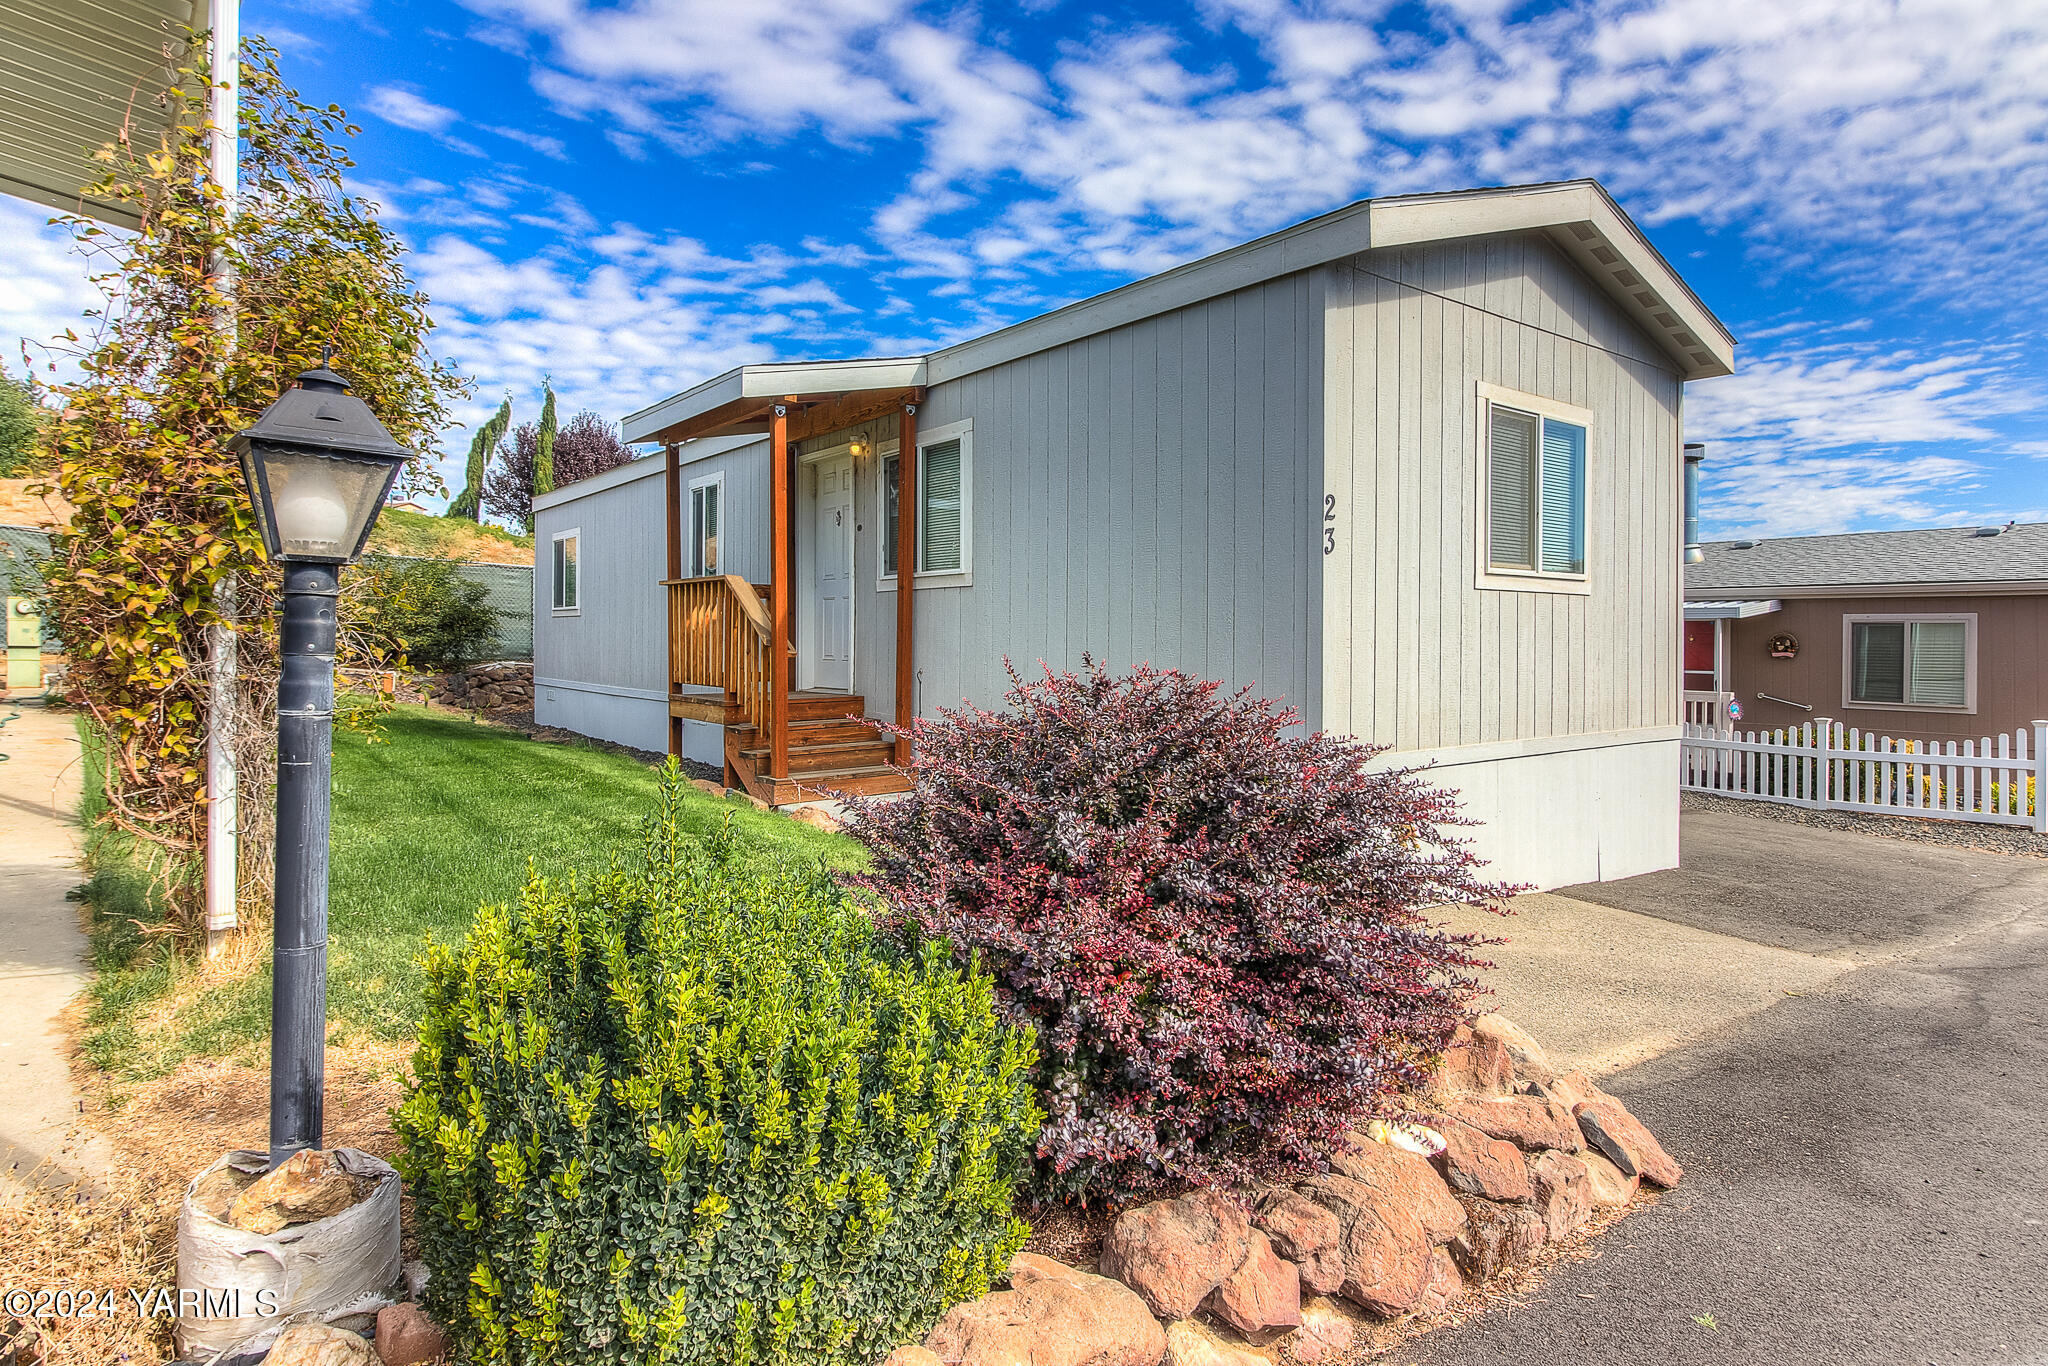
319, 466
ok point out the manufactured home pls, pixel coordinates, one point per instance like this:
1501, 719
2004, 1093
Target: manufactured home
1412, 468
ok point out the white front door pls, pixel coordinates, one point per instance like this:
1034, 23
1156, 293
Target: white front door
832, 560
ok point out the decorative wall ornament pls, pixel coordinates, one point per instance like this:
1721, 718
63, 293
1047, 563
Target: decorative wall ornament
1784, 645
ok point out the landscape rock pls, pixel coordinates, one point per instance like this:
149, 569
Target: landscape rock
709, 788
1607, 1186
317, 1344
1305, 1234
1262, 1298
1052, 1315
1524, 1053
1445, 1285
1325, 1334
1174, 1252
215, 1192
1531, 1123
1562, 1192
305, 1186
1189, 1344
406, 1336
817, 817
1568, 1089
1406, 1178
1386, 1251
1473, 1065
912, 1355
1620, 1137
1495, 1237
1474, 1164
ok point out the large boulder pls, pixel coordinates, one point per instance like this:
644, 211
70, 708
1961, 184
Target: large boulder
1190, 1344
1531, 1123
1386, 1251
1446, 1284
1052, 1315
1620, 1137
1496, 1236
406, 1336
1472, 1065
1474, 1164
1405, 1178
1305, 1234
319, 1344
1325, 1334
1262, 1298
1174, 1252
1524, 1053
1608, 1188
1562, 1192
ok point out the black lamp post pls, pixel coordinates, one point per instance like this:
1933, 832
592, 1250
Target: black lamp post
319, 467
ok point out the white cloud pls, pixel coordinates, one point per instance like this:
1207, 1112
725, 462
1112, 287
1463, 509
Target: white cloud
408, 109
46, 290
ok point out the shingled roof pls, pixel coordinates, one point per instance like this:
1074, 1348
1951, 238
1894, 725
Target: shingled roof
1958, 556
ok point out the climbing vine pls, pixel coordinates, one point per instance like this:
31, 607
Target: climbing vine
210, 309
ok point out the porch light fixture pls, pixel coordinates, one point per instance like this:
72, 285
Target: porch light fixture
319, 466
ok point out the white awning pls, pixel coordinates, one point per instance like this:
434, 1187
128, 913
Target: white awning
1731, 611
72, 74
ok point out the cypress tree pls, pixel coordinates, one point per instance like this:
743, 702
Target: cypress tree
469, 503
544, 459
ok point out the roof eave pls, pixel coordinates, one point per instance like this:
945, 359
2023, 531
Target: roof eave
734, 403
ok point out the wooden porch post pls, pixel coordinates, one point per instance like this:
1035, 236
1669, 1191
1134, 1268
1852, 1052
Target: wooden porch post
778, 591
906, 576
673, 508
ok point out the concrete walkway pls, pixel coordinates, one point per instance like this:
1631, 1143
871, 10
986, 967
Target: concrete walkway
43, 953
1866, 1162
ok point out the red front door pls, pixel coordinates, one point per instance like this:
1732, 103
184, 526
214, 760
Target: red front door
1699, 656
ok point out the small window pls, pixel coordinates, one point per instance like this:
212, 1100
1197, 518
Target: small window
706, 496
567, 548
943, 477
1536, 493
1902, 662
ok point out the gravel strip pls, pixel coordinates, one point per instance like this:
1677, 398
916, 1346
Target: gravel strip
1997, 839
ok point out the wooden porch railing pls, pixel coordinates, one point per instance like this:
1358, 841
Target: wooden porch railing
719, 635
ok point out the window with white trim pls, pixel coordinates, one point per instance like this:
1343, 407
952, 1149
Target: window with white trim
567, 551
944, 507
707, 505
1535, 492
1911, 661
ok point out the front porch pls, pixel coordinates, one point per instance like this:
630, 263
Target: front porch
733, 647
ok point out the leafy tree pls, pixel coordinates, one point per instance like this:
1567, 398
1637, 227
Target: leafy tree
586, 446
212, 310
21, 422
544, 455
408, 613
468, 504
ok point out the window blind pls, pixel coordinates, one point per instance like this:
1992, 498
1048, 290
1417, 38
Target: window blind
704, 530
1878, 666
939, 518
1938, 669
565, 572
892, 522
1511, 490
1564, 498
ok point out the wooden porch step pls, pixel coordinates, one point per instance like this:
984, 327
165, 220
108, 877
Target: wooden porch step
826, 758
825, 706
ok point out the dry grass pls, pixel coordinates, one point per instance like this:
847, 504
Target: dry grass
19, 507
165, 1132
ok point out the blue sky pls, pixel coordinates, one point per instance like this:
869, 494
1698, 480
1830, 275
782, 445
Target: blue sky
636, 194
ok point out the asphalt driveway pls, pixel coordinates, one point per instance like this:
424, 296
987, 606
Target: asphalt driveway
1866, 1150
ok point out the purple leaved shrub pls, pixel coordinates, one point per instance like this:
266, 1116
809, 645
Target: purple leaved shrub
1214, 922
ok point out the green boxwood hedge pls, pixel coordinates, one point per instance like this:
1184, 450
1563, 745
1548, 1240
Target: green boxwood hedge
693, 1112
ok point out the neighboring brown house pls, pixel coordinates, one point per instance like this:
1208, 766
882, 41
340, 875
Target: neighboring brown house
1939, 634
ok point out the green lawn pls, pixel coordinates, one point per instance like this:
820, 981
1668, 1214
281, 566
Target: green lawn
432, 819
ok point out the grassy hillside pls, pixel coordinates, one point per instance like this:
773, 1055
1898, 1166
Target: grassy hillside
399, 532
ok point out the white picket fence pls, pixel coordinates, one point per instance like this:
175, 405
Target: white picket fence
1823, 764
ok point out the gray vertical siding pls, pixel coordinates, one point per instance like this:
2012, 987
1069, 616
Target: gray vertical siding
1144, 495
744, 530
1418, 657
619, 637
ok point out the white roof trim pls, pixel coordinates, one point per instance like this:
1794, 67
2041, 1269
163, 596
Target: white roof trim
643, 467
71, 73
1578, 215
1731, 611
774, 381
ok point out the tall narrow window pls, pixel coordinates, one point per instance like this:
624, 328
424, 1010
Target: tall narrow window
706, 495
938, 523
1536, 493
567, 591
1906, 663
892, 520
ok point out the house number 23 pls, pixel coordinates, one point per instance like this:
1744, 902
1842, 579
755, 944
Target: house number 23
1329, 523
